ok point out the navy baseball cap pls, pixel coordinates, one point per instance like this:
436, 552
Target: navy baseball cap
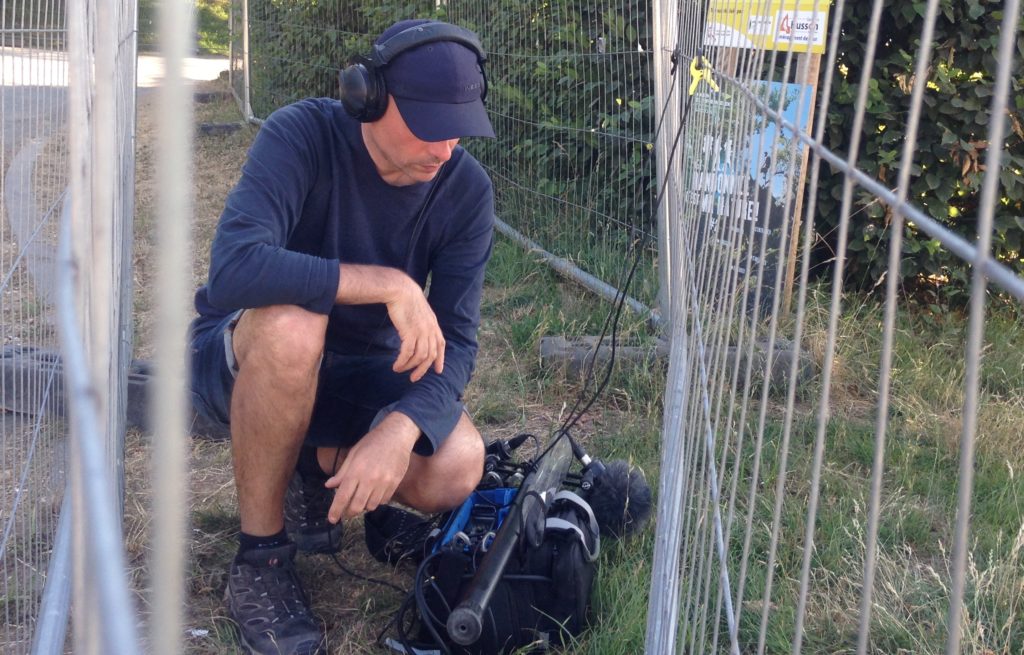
438, 86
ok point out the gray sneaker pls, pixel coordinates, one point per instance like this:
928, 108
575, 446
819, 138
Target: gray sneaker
266, 600
305, 516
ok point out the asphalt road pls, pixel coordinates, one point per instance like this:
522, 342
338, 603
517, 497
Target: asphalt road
33, 89
33, 107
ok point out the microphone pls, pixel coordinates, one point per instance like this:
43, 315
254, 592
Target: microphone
501, 449
498, 452
618, 494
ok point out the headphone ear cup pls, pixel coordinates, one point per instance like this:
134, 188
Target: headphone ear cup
352, 89
362, 91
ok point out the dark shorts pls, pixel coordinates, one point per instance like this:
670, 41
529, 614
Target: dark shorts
352, 390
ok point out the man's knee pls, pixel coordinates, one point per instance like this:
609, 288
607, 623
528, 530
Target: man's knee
284, 338
465, 475
444, 480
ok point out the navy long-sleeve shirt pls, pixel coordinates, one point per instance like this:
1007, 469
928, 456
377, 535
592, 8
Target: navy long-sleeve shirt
309, 199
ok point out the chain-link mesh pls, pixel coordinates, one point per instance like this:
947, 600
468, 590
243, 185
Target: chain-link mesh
788, 486
571, 98
45, 123
33, 164
569, 94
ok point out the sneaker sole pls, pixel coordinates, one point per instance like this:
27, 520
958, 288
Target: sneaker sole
249, 650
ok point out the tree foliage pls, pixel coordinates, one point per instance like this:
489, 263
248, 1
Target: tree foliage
952, 146
573, 104
297, 48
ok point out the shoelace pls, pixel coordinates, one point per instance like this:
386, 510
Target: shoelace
315, 501
277, 578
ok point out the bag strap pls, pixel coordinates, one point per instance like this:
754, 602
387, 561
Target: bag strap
573, 498
397, 646
561, 525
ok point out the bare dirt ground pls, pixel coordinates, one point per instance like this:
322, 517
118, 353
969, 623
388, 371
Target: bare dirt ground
354, 610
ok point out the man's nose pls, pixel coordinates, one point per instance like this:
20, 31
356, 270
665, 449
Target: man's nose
442, 150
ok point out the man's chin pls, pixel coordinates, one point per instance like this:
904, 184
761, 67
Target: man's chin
427, 173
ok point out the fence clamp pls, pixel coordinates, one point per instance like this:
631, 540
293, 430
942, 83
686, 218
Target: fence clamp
700, 69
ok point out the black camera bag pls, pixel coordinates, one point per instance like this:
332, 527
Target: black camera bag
542, 598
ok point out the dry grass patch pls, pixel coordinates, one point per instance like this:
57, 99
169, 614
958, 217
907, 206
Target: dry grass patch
216, 164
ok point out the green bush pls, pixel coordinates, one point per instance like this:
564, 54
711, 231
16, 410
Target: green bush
949, 162
211, 26
297, 48
579, 93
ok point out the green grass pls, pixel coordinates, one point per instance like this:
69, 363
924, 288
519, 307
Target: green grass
211, 28
920, 487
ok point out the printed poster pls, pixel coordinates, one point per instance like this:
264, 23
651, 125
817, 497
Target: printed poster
734, 176
796, 25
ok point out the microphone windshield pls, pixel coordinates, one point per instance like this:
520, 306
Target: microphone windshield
621, 499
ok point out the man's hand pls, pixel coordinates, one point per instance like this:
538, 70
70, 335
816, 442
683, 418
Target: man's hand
373, 468
422, 340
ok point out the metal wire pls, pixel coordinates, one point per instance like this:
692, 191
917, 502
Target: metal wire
888, 336
976, 322
33, 162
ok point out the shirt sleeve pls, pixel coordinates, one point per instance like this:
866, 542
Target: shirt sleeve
456, 284
250, 265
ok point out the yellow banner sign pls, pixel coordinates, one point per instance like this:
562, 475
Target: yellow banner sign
796, 25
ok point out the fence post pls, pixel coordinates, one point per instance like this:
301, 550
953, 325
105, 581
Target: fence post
665, 40
246, 88
169, 463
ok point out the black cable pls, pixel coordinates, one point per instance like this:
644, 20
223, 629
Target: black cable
440, 596
397, 622
614, 316
333, 546
421, 603
365, 578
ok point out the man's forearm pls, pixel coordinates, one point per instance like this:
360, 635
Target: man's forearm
400, 427
422, 340
364, 284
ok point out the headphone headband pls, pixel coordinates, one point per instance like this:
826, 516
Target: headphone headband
418, 35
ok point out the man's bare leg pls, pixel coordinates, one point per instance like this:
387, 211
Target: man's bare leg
278, 350
446, 478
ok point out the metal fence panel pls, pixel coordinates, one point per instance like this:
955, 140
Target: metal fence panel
52, 117
570, 95
33, 165
751, 433
95, 283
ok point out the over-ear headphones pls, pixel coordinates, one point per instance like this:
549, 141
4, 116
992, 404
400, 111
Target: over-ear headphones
364, 93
